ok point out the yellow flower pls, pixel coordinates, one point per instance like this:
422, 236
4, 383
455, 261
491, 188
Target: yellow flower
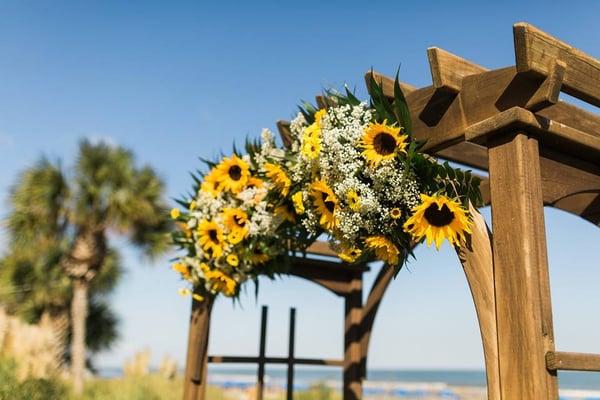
193, 205
222, 283
233, 174
236, 220
254, 182
184, 292
297, 199
211, 184
311, 147
326, 204
234, 237
197, 297
382, 142
350, 255
211, 238
319, 116
186, 230
285, 213
384, 249
395, 213
279, 178
313, 131
353, 200
182, 269
175, 213
438, 218
233, 260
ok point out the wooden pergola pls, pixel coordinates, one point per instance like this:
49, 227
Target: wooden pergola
538, 150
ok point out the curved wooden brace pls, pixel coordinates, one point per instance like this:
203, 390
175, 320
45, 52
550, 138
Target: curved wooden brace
382, 282
477, 262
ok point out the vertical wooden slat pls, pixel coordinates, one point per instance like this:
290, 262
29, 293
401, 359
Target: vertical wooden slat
520, 265
352, 341
290, 361
260, 384
197, 354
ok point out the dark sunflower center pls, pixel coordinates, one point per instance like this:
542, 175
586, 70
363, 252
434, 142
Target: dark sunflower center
384, 143
212, 234
239, 221
258, 251
439, 217
329, 205
235, 172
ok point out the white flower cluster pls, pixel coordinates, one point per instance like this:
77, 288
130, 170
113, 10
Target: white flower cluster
342, 165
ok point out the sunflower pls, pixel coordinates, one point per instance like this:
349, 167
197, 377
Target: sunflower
182, 269
438, 218
311, 147
279, 178
235, 219
233, 260
353, 200
233, 174
297, 199
211, 237
175, 213
395, 213
234, 237
381, 142
219, 282
384, 249
210, 183
326, 204
350, 254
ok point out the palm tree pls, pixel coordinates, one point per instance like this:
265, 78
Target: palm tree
72, 214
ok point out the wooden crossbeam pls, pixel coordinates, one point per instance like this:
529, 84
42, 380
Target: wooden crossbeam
561, 361
448, 70
274, 360
550, 134
536, 53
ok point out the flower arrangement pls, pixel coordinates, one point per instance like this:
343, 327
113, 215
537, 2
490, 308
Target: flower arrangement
351, 170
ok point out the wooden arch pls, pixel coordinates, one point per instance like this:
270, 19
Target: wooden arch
538, 150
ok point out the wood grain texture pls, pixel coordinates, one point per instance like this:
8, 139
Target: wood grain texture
548, 92
194, 387
448, 70
561, 361
352, 371
519, 254
284, 132
536, 52
551, 134
476, 259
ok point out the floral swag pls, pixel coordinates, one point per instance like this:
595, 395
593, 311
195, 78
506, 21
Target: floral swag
351, 171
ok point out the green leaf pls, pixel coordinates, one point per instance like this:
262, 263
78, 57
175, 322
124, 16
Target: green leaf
401, 106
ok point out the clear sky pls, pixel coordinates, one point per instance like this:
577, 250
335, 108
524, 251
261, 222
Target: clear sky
177, 80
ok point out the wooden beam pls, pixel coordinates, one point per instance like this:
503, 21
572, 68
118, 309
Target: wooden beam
536, 52
352, 374
547, 94
284, 132
519, 252
321, 248
448, 70
561, 361
477, 262
194, 387
274, 360
550, 133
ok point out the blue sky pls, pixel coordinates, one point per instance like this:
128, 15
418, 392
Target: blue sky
174, 81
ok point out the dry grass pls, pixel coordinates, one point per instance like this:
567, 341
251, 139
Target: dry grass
36, 347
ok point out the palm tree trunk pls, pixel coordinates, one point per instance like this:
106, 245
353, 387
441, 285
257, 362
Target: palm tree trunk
79, 312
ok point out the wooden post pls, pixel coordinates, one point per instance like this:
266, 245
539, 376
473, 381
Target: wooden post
290, 361
352, 341
521, 270
197, 355
260, 382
